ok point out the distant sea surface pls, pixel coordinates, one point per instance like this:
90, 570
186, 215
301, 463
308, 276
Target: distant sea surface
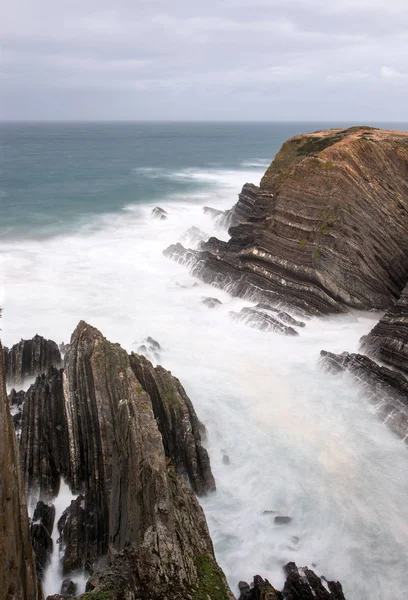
55, 175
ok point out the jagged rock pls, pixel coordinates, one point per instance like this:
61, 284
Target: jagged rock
239, 212
68, 588
150, 348
300, 584
44, 444
326, 197
261, 320
72, 527
17, 572
304, 584
177, 421
385, 388
388, 340
16, 401
41, 532
179, 254
30, 358
159, 213
211, 302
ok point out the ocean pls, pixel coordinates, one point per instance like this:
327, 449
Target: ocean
77, 241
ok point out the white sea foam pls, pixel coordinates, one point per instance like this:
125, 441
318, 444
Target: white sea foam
300, 441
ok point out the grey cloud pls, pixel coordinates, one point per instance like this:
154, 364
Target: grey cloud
264, 59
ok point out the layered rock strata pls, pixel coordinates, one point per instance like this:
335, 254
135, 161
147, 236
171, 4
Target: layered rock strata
327, 228
388, 340
125, 437
41, 531
385, 388
17, 571
30, 358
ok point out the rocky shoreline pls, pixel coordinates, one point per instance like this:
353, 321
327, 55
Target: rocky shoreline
325, 232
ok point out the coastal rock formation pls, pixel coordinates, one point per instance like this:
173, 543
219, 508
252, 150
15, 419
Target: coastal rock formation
125, 437
177, 420
239, 212
30, 358
388, 340
159, 213
44, 445
41, 531
327, 196
262, 320
300, 584
385, 388
17, 572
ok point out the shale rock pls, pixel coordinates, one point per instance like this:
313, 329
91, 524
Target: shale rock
44, 444
41, 532
385, 388
179, 254
177, 420
17, 572
72, 527
263, 321
326, 197
388, 340
30, 358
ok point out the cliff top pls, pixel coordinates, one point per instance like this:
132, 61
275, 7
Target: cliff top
327, 147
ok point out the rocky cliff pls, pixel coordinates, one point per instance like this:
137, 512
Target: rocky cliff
128, 447
17, 570
325, 230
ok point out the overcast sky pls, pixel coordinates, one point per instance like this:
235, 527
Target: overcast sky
212, 59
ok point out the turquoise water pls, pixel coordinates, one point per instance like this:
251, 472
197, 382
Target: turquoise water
78, 242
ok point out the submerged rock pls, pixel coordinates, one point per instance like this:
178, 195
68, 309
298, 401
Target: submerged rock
17, 572
177, 252
263, 321
159, 213
30, 358
211, 302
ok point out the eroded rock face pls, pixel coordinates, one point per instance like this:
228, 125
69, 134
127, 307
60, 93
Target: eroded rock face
327, 228
44, 445
388, 340
300, 584
17, 571
265, 322
72, 528
30, 358
385, 388
41, 531
177, 421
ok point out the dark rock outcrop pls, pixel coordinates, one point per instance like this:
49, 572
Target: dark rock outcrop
30, 358
73, 536
300, 584
179, 254
388, 340
177, 421
326, 230
17, 570
261, 320
41, 531
239, 212
385, 388
44, 444
211, 302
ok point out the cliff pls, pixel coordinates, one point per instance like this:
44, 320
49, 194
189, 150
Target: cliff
325, 230
128, 447
29, 358
17, 571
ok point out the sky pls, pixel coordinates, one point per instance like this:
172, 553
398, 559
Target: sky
204, 60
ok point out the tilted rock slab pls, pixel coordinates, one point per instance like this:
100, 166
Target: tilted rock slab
327, 229
17, 570
388, 340
30, 358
